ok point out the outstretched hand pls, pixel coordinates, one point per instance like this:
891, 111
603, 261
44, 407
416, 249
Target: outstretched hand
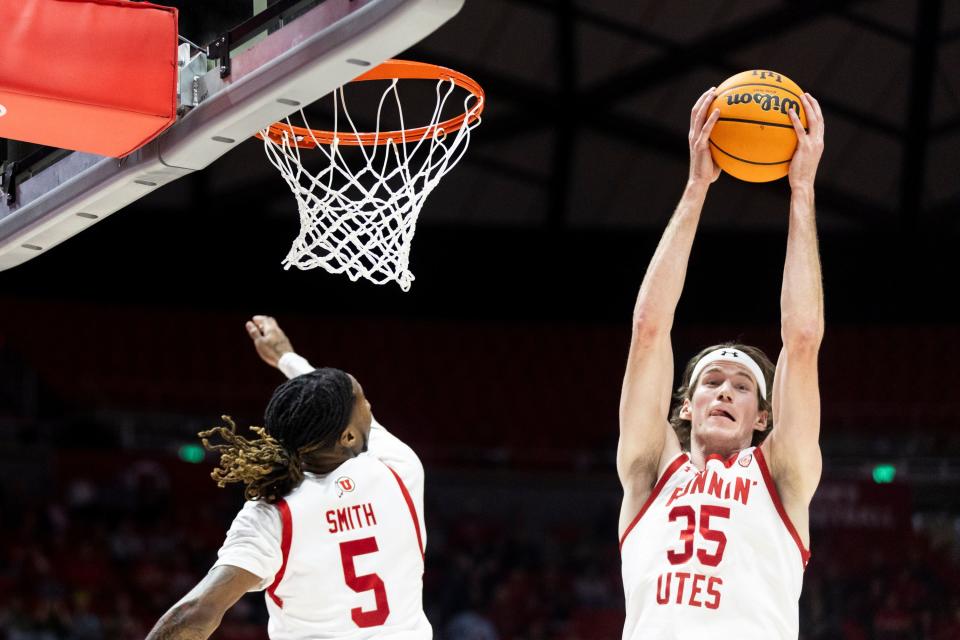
803, 167
702, 167
268, 338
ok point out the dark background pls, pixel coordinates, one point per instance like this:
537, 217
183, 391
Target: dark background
502, 365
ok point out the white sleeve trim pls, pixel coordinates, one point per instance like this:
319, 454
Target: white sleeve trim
292, 365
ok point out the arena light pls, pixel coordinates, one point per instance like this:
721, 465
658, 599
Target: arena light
884, 473
192, 453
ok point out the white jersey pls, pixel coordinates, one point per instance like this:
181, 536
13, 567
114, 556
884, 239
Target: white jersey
341, 556
712, 554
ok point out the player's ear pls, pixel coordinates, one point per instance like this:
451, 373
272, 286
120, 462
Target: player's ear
761, 423
685, 413
349, 438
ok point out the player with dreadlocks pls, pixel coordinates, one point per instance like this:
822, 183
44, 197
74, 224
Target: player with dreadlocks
332, 527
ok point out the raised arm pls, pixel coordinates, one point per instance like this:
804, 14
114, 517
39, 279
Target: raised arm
198, 614
274, 347
793, 447
646, 440
269, 339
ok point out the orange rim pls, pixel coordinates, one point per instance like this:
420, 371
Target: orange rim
306, 138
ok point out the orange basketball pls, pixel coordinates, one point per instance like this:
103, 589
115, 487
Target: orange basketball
754, 139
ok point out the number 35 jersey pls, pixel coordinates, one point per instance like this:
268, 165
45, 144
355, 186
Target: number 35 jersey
712, 553
341, 556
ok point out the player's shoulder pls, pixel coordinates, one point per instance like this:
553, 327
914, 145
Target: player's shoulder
257, 514
364, 467
365, 463
258, 509
361, 478
376, 471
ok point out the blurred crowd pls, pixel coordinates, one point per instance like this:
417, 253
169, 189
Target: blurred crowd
104, 559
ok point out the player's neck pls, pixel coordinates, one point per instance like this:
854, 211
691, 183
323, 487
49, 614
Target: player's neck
701, 451
324, 462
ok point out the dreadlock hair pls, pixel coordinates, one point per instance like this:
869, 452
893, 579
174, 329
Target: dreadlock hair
685, 392
305, 414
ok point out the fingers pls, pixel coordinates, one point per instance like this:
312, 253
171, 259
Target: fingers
816, 105
268, 324
252, 330
704, 110
264, 323
814, 115
797, 125
696, 107
708, 125
698, 114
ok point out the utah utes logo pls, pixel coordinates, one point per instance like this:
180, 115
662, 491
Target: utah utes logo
746, 460
345, 484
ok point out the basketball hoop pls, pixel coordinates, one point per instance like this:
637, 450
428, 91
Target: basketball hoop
360, 221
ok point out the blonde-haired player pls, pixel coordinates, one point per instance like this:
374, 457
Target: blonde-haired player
333, 528
714, 526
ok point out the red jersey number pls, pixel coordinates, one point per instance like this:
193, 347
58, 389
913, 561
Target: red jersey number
686, 513
706, 512
368, 582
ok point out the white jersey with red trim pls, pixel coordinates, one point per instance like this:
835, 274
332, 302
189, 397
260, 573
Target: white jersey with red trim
713, 554
342, 555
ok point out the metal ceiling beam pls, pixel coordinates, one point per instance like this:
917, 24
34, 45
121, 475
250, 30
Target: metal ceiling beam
840, 203
678, 60
875, 26
566, 124
949, 36
604, 22
562, 111
653, 136
537, 107
861, 119
915, 141
646, 135
718, 61
507, 170
945, 128
544, 101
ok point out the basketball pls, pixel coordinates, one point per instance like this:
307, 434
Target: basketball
753, 139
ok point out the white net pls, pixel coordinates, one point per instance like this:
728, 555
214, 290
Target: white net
361, 220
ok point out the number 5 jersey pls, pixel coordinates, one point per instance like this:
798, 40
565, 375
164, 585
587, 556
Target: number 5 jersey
341, 556
712, 553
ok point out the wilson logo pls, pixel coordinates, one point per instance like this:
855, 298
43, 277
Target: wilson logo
766, 101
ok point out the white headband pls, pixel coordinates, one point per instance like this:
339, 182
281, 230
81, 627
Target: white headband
732, 355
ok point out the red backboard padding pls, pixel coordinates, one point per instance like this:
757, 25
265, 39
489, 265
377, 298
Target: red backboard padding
92, 75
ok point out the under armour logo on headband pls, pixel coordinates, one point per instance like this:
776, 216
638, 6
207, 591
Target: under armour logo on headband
740, 358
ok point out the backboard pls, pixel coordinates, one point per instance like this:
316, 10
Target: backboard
290, 54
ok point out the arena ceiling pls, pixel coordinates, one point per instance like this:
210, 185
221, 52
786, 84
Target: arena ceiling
588, 106
581, 158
